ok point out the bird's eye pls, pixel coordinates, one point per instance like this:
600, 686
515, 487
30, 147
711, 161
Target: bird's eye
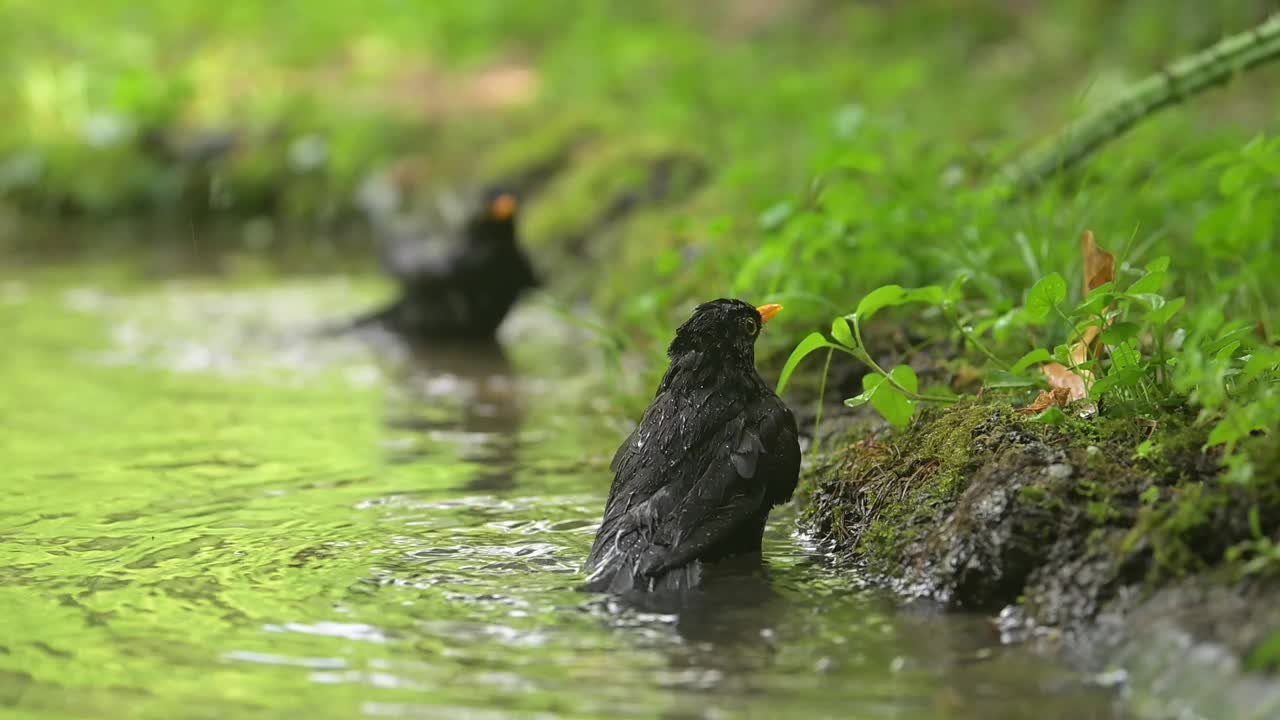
750, 326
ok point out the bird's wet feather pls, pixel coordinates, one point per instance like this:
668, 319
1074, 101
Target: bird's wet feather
714, 452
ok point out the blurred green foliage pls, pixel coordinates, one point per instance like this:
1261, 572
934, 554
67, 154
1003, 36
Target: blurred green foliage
827, 149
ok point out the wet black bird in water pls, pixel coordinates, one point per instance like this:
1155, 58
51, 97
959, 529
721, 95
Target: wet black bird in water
715, 451
464, 292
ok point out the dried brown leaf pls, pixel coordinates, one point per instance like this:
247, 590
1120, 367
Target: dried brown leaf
1048, 398
1061, 377
1068, 385
1099, 265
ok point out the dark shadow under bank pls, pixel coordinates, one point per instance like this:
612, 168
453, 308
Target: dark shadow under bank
1116, 541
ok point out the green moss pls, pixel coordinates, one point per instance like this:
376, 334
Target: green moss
905, 502
1266, 655
876, 496
606, 182
532, 154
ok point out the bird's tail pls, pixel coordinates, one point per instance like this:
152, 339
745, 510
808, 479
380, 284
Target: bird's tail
374, 317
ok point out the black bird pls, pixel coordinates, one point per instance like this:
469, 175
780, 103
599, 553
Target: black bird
715, 451
464, 292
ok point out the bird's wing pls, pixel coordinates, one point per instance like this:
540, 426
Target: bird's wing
780, 463
737, 484
684, 517
652, 468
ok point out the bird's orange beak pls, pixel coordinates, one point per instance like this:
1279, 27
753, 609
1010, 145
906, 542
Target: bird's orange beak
768, 311
503, 207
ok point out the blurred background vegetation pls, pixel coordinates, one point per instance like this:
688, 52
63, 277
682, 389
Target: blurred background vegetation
805, 151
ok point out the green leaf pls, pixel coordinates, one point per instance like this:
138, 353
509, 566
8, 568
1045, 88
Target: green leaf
1005, 324
1152, 494
776, 216
1236, 425
1051, 415
815, 341
1044, 296
1097, 299
1062, 354
1165, 313
929, 295
1233, 180
1150, 283
1226, 352
940, 390
1125, 355
1119, 378
893, 295
892, 405
955, 291
1160, 264
881, 297
1227, 432
1035, 357
1258, 362
862, 398
1120, 332
1151, 300
906, 377
841, 332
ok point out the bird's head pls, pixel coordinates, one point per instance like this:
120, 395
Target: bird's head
495, 217
724, 328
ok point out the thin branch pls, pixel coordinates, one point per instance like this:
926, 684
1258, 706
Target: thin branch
1177, 82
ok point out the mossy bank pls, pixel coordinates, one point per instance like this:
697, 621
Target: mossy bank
1106, 538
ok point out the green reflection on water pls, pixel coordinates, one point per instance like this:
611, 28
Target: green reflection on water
209, 515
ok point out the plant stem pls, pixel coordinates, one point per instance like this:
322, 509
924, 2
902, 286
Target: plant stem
861, 353
822, 394
968, 335
1178, 81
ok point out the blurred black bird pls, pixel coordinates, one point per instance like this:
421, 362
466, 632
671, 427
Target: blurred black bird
463, 292
715, 451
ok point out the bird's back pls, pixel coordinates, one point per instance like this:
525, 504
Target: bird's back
693, 483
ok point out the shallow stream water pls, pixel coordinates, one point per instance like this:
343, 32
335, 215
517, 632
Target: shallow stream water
209, 514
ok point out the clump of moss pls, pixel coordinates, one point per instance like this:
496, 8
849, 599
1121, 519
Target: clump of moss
532, 156
608, 181
1265, 657
873, 497
979, 506
1192, 518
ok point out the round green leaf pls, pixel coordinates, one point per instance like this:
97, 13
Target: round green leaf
906, 377
892, 405
1044, 296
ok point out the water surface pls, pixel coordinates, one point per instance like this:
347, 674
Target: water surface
209, 514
